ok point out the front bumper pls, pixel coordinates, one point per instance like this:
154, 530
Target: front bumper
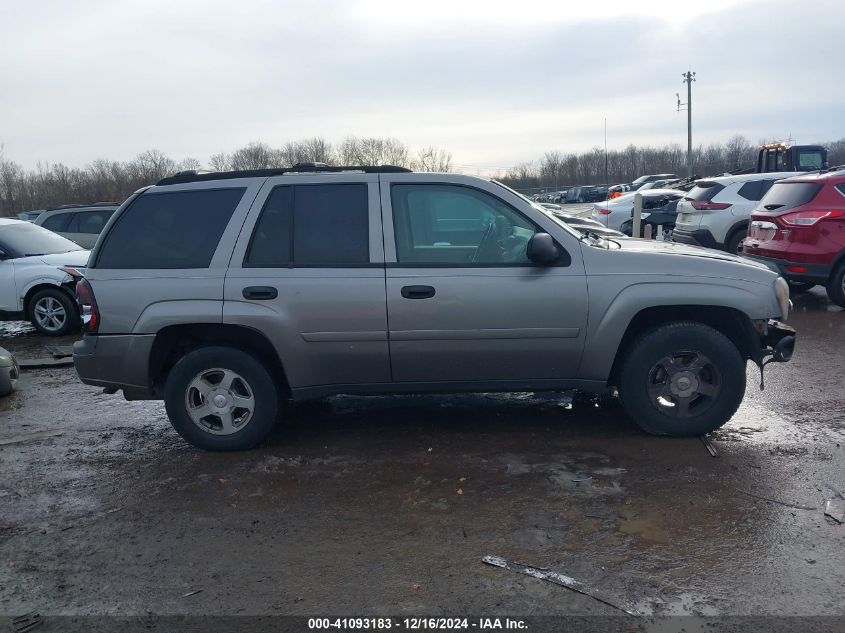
698, 237
778, 342
814, 273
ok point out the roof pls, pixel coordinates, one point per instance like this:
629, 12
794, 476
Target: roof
772, 175
300, 168
833, 173
90, 205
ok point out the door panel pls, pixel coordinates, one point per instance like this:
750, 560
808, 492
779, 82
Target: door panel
497, 318
328, 320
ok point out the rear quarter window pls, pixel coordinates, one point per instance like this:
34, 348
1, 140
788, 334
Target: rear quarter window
704, 190
179, 229
787, 195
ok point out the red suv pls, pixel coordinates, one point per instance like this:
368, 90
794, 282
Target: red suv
798, 228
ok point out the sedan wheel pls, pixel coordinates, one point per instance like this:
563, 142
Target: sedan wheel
53, 312
50, 314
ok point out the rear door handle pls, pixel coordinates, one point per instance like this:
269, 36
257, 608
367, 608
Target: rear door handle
260, 293
417, 292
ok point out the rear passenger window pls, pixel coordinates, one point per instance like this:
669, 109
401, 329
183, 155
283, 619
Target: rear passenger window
752, 190
704, 191
56, 222
91, 222
169, 230
312, 225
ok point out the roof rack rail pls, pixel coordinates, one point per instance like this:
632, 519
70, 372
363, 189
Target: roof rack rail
82, 205
310, 167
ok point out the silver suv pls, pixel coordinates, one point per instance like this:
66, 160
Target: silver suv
229, 294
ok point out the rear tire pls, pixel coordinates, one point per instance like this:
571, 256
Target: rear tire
53, 312
836, 286
732, 244
221, 399
682, 379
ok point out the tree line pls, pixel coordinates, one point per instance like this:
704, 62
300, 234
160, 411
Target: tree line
53, 184
556, 170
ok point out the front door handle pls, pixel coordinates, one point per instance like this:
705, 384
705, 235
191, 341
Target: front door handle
417, 292
260, 293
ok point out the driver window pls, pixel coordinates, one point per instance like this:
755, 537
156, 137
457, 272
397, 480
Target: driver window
450, 224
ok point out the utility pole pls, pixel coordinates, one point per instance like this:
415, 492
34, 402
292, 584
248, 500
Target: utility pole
689, 77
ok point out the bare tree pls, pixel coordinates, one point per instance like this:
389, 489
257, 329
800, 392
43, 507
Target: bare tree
433, 159
254, 156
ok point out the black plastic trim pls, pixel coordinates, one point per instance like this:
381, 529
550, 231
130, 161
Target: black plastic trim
193, 176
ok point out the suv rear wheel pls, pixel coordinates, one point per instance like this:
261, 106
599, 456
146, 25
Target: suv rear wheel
732, 245
836, 285
682, 379
221, 399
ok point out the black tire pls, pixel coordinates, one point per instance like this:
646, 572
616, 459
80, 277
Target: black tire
45, 323
732, 243
836, 285
800, 286
723, 374
250, 373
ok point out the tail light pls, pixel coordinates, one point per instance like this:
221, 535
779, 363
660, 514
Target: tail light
706, 205
603, 211
87, 307
809, 218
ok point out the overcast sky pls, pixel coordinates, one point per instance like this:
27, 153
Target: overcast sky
494, 82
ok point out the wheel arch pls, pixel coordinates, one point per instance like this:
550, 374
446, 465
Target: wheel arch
40, 285
174, 341
741, 226
731, 322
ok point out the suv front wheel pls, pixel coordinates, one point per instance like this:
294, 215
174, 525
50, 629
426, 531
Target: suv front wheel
221, 399
682, 379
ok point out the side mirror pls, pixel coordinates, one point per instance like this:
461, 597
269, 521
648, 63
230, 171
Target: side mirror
542, 249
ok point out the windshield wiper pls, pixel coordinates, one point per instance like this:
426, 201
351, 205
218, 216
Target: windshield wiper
34, 254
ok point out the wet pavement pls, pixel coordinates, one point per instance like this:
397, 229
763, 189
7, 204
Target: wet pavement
387, 505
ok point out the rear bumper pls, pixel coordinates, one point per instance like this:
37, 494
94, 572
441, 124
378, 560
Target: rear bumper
115, 361
813, 273
698, 237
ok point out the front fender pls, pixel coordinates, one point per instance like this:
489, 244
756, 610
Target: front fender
41, 280
611, 315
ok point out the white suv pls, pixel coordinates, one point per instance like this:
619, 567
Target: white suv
715, 213
38, 275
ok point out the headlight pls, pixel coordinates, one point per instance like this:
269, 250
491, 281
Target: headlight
782, 294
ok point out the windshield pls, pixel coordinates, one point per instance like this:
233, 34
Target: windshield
25, 239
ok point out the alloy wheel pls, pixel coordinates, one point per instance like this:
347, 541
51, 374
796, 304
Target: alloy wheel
50, 314
220, 401
684, 384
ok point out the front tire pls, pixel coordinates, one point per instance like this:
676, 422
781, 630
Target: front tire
221, 399
836, 286
53, 312
682, 379
800, 286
